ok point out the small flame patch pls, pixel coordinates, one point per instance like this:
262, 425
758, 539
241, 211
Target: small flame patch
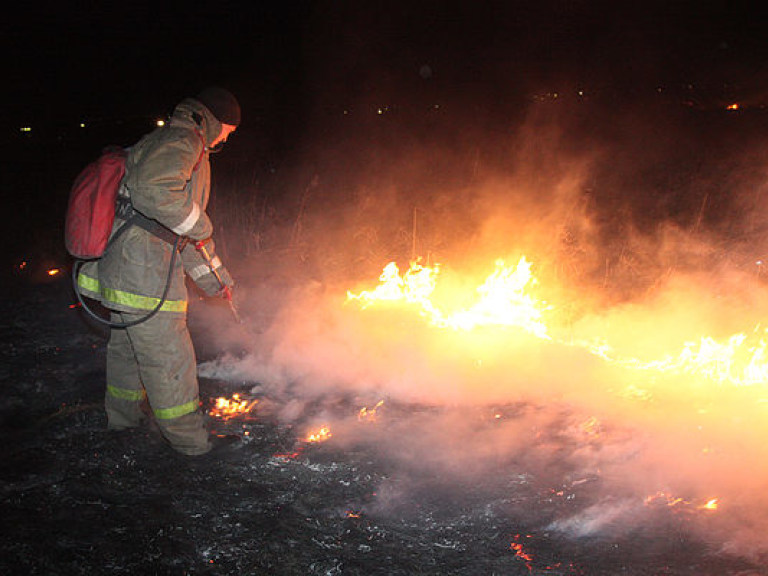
226, 408
321, 435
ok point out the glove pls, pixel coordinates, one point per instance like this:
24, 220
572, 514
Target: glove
197, 258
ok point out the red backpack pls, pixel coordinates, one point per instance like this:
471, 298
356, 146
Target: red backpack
91, 215
91, 208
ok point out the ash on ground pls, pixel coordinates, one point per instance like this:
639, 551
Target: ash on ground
77, 499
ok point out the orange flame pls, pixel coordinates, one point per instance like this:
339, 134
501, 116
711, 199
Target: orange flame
672, 501
54, 271
502, 299
226, 408
323, 434
369, 415
414, 288
665, 499
520, 552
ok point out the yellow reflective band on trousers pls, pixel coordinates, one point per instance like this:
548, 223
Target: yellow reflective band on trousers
160, 413
124, 393
176, 411
136, 301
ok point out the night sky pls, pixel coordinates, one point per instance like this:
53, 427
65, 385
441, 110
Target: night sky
300, 68
68, 61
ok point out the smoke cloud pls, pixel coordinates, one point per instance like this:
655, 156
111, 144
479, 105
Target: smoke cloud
643, 237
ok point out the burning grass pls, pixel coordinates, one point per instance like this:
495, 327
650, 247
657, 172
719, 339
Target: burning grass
559, 394
399, 487
632, 414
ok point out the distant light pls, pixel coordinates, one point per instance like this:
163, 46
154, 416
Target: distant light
161, 122
734, 106
25, 129
346, 112
82, 124
53, 272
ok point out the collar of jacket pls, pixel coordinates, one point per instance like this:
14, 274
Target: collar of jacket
191, 111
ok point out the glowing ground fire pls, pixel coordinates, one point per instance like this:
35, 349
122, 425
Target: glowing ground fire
664, 499
321, 435
229, 408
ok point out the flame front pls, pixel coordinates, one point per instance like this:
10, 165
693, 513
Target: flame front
504, 300
501, 300
738, 360
415, 287
666, 499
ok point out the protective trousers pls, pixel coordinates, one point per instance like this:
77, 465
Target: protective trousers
155, 359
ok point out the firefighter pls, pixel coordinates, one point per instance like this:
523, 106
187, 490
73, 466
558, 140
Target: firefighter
167, 186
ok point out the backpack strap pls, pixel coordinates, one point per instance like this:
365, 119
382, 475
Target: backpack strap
125, 211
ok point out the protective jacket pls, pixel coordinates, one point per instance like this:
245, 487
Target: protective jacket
167, 179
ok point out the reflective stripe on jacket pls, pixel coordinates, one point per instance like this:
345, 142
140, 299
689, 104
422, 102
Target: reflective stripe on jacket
118, 299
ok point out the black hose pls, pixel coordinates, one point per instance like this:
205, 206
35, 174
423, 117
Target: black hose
124, 325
